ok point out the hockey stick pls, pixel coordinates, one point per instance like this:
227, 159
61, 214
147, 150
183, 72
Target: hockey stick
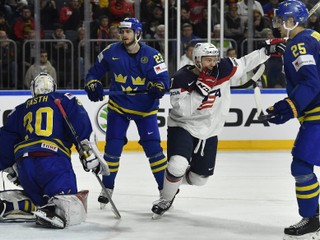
57, 101
314, 9
253, 80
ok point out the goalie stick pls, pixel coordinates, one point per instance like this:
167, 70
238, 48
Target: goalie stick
57, 101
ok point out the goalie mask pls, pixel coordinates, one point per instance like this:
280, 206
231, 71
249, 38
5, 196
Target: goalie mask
204, 50
134, 24
43, 84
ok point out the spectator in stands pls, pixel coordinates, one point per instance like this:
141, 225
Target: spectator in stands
114, 33
187, 36
186, 58
4, 25
232, 52
101, 32
195, 7
146, 7
70, 15
260, 23
45, 66
79, 56
226, 42
24, 24
159, 35
58, 34
273, 75
215, 12
155, 20
60, 51
201, 28
49, 14
234, 26
5, 9
313, 22
95, 10
185, 15
269, 8
7, 66
243, 8
119, 10
104, 5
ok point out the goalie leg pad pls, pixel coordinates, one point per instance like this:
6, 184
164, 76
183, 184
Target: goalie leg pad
72, 207
18, 205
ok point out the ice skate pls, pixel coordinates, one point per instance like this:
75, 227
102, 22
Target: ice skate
306, 229
161, 206
49, 219
102, 199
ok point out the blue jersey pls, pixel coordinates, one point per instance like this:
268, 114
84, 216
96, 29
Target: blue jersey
301, 64
37, 125
131, 72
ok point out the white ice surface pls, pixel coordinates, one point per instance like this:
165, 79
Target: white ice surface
250, 197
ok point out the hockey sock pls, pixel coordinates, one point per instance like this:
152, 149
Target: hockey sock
158, 165
113, 163
307, 195
171, 186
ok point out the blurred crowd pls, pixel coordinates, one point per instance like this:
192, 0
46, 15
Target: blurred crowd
62, 29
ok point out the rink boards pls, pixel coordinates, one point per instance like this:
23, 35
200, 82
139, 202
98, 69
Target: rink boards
242, 130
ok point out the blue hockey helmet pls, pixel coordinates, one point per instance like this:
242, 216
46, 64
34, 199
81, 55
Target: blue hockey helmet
131, 23
292, 8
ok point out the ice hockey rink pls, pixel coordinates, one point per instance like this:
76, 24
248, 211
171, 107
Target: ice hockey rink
250, 197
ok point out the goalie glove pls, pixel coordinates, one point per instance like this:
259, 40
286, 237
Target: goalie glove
205, 82
88, 158
275, 46
283, 111
94, 90
12, 174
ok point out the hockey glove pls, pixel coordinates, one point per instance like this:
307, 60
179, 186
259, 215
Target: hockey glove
283, 111
275, 46
88, 159
94, 90
13, 174
205, 82
156, 90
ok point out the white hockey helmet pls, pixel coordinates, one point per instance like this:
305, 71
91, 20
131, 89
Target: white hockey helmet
204, 50
42, 84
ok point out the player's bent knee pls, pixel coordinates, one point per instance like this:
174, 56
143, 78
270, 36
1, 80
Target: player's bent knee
177, 166
196, 179
72, 207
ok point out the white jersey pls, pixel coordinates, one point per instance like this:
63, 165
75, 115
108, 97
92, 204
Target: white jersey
204, 117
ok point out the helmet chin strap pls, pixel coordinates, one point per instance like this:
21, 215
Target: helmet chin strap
289, 29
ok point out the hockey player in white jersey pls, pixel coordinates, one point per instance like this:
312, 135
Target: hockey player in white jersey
200, 98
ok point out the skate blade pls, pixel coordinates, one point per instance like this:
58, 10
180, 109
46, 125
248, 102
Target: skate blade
309, 236
55, 222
